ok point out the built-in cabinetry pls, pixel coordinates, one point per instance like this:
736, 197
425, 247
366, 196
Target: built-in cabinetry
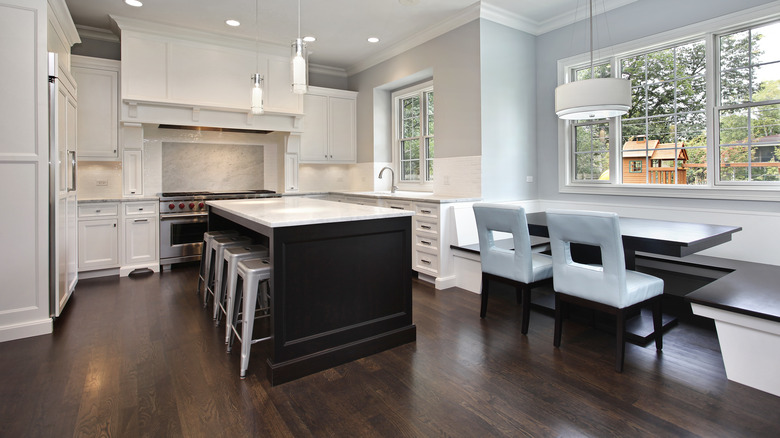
140, 228
118, 235
98, 236
132, 173
98, 128
329, 133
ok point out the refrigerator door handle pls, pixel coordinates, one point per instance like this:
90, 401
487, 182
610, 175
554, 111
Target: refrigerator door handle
72, 181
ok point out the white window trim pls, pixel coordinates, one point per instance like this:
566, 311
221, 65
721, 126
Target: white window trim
421, 185
707, 30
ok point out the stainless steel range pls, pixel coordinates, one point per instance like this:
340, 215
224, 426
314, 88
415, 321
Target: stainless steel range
184, 219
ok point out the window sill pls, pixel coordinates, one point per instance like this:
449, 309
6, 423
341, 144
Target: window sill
720, 193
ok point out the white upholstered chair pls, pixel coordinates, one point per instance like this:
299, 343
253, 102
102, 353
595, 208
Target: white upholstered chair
608, 287
519, 266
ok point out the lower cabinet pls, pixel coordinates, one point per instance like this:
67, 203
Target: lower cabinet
98, 236
140, 241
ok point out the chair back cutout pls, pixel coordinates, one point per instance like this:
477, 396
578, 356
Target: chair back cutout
514, 264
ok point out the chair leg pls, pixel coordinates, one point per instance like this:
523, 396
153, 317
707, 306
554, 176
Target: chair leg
620, 332
483, 309
558, 320
247, 323
525, 291
658, 324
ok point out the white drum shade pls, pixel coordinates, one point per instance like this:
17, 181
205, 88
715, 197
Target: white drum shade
593, 99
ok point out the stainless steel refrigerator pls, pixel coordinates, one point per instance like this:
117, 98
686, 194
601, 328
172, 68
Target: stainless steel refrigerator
63, 228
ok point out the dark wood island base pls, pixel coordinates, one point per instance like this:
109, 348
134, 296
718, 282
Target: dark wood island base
339, 290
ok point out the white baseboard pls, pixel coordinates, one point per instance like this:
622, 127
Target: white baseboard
26, 330
125, 270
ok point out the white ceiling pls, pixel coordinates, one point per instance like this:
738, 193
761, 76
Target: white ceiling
340, 26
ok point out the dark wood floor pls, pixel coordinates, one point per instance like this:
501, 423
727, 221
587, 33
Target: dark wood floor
139, 357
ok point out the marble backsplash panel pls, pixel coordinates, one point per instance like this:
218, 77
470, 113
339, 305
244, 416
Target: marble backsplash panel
211, 167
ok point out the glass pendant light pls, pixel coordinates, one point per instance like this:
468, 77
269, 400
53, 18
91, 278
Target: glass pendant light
298, 71
257, 78
593, 98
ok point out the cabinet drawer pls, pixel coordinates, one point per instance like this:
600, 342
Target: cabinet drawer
98, 210
429, 243
140, 208
427, 210
399, 205
425, 226
426, 262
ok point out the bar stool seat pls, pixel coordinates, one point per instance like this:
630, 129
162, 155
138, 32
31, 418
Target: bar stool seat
253, 273
205, 254
218, 245
225, 294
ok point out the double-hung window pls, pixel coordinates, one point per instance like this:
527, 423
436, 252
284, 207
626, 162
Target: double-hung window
705, 113
413, 115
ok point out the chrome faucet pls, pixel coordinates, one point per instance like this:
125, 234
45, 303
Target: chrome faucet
393, 188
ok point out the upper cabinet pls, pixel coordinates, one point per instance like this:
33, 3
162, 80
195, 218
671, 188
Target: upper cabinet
202, 72
98, 82
329, 131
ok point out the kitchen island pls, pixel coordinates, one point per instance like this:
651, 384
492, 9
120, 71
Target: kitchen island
341, 280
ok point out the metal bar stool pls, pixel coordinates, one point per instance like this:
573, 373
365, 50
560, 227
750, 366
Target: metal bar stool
225, 294
252, 272
218, 245
205, 254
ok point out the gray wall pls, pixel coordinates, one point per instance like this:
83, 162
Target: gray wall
452, 60
508, 100
636, 20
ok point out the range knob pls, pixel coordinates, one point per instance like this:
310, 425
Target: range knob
171, 206
192, 205
181, 205
201, 205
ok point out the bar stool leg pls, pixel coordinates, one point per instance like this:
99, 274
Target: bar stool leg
205, 259
247, 323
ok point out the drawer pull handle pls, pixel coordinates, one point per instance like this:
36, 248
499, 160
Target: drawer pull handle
97, 211
425, 227
397, 208
140, 209
141, 220
425, 242
427, 262
425, 211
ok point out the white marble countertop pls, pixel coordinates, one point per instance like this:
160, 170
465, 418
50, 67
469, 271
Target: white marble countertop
293, 211
400, 194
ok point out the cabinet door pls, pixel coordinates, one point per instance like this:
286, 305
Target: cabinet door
98, 244
314, 141
140, 240
290, 172
98, 134
132, 173
341, 130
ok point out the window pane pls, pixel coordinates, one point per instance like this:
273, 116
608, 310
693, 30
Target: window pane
660, 99
692, 129
660, 65
429, 148
733, 126
696, 167
638, 103
633, 69
733, 163
429, 97
584, 169
735, 86
766, 85
411, 128
410, 171
766, 41
411, 149
662, 129
599, 70
765, 123
690, 59
633, 129
691, 94
411, 107
734, 50
764, 162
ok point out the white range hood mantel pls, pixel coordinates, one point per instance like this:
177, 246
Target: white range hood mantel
155, 112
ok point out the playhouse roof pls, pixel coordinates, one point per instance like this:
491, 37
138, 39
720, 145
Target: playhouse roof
655, 149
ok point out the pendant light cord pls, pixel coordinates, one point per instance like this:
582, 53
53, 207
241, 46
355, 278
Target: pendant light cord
299, 18
590, 9
257, 36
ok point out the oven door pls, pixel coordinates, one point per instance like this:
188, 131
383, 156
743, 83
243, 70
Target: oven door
181, 236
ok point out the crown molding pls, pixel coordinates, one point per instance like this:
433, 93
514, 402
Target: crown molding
63, 19
327, 70
94, 33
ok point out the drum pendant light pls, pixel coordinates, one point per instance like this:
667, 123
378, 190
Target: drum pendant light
298, 71
257, 78
594, 98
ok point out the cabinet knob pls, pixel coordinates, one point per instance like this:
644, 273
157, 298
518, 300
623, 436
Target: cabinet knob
97, 211
114, 225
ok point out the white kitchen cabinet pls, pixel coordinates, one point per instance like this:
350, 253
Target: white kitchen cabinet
132, 173
98, 121
140, 236
98, 236
329, 131
426, 234
290, 172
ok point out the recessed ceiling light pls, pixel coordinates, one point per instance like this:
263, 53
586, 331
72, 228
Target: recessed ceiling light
309, 39
233, 23
135, 3
373, 40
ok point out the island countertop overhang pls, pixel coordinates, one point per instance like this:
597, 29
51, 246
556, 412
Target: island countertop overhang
294, 211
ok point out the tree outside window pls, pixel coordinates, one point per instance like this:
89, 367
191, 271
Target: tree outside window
415, 137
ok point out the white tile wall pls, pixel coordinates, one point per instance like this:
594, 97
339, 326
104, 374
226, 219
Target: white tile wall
459, 176
90, 173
